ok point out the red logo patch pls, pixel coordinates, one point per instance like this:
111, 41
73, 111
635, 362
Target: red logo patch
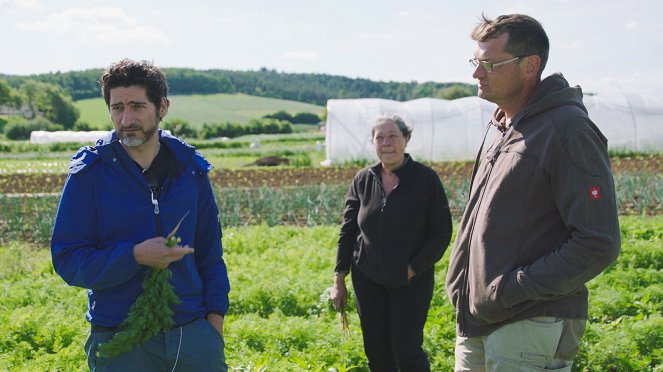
594, 192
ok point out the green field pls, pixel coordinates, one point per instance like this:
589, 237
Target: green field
280, 318
198, 109
279, 244
54, 158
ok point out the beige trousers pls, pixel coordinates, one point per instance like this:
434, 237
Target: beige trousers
535, 344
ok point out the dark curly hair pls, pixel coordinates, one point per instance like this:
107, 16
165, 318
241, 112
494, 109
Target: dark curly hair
127, 72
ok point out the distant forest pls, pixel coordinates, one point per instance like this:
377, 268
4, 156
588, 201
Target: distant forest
309, 88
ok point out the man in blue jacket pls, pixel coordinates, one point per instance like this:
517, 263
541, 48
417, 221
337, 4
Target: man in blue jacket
120, 200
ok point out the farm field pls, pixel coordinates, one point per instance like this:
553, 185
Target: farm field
638, 178
280, 318
211, 108
280, 229
295, 195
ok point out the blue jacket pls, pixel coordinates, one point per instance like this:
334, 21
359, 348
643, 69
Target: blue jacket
107, 208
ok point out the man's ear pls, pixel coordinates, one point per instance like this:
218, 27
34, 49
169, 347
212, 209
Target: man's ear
163, 108
532, 66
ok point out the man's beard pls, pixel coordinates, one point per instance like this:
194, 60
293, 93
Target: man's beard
135, 141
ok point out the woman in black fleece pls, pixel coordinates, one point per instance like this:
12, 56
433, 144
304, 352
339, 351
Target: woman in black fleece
396, 226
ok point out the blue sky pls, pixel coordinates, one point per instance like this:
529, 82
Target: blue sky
604, 46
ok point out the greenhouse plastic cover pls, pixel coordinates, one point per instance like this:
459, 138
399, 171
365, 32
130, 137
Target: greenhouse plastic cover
446, 130
40, 136
64, 136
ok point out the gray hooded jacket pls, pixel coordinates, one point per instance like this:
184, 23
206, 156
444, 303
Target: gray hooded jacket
541, 218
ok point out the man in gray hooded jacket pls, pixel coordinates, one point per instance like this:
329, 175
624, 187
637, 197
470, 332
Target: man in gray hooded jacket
541, 218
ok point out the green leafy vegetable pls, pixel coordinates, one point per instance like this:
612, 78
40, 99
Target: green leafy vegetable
151, 313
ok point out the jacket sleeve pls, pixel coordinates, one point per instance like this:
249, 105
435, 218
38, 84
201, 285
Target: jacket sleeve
584, 193
209, 252
438, 227
349, 229
75, 248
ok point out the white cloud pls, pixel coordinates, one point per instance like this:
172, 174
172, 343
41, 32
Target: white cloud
28, 4
570, 46
99, 24
414, 15
300, 56
21, 4
632, 25
384, 36
228, 20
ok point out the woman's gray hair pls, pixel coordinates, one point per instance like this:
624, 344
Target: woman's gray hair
400, 123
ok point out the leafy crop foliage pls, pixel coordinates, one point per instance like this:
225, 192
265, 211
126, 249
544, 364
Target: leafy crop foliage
30, 218
151, 313
280, 317
280, 227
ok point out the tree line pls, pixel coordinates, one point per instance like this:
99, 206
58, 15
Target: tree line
310, 88
36, 105
46, 101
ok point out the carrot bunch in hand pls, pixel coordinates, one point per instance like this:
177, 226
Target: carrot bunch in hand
151, 313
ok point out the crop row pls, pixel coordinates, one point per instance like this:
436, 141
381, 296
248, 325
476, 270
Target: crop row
52, 182
30, 217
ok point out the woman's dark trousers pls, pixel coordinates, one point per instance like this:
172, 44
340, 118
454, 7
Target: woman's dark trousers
392, 322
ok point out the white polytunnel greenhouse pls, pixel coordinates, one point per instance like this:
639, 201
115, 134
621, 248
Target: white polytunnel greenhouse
83, 137
64, 136
445, 130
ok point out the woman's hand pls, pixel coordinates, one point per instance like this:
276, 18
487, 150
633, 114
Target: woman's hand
339, 292
410, 272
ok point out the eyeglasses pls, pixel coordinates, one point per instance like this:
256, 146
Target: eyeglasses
489, 67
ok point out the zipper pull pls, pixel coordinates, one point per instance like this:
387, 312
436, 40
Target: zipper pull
493, 159
155, 202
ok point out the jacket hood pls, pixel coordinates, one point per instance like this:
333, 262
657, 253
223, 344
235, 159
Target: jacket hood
102, 149
550, 93
554, 91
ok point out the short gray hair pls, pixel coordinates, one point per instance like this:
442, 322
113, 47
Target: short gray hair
393, 118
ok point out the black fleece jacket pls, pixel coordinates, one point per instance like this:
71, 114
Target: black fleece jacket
381, 234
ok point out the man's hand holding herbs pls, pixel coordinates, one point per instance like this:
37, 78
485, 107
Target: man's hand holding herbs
156, 253
151, 313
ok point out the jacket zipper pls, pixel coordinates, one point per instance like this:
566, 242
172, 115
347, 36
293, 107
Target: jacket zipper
155, 202
154, 199
464, 295
383, 203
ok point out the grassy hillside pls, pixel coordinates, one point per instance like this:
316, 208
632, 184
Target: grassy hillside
213, 108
